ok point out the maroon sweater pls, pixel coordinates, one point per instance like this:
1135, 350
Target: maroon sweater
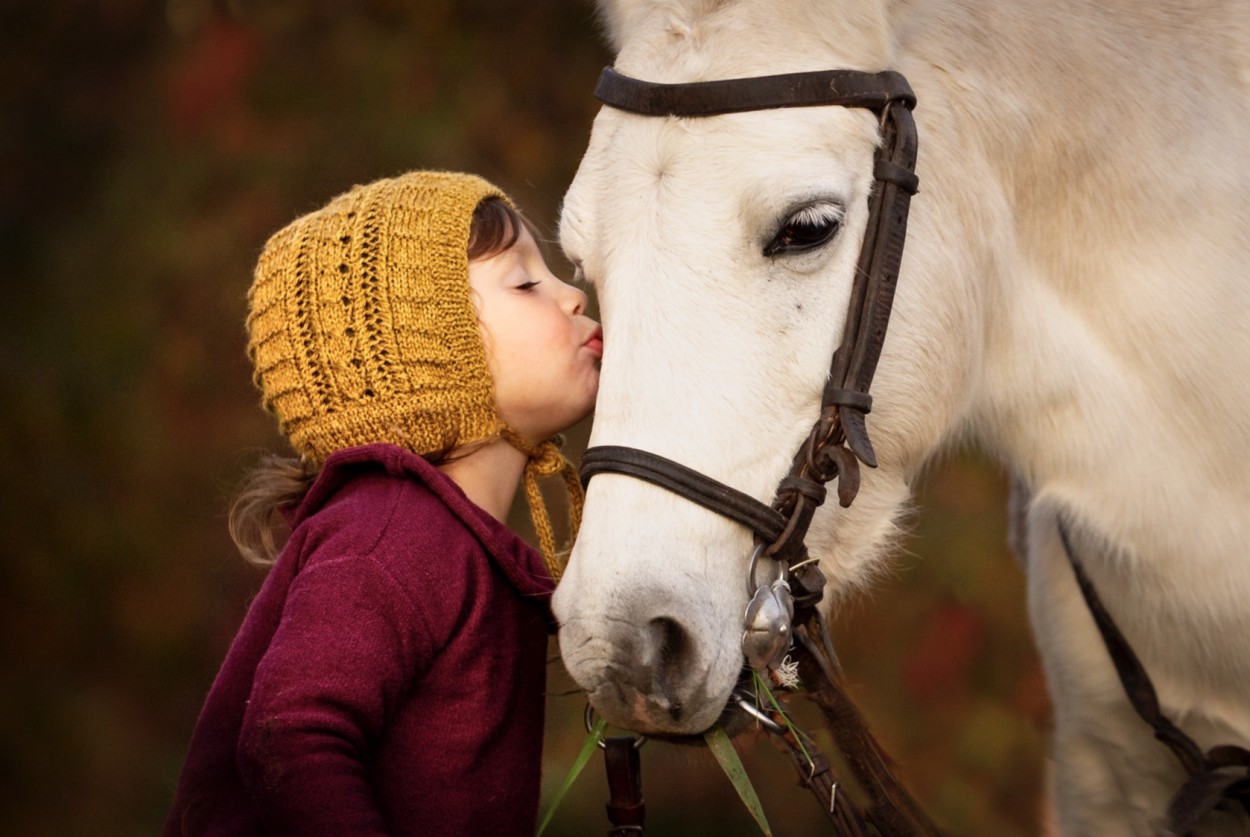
389, 676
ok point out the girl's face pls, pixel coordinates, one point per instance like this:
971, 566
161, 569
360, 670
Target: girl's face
543, 352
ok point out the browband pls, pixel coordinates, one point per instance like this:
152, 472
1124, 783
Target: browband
845, 88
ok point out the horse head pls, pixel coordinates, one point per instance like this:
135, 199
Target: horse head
723, 250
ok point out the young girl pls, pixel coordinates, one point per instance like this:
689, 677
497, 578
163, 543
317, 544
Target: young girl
389, 676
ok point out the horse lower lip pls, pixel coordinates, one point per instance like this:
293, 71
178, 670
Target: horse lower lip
733, 720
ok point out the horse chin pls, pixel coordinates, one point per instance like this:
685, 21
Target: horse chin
654, 715
638, 714
733, 721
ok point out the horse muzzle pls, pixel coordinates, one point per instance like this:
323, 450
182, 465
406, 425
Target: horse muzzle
653, 672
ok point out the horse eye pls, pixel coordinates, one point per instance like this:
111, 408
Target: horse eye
807, 229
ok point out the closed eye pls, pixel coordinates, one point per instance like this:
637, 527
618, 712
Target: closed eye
806, 229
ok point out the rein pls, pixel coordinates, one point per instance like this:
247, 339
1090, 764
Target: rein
782, 617
1215, 778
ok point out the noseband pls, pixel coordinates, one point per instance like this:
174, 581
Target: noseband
838, 441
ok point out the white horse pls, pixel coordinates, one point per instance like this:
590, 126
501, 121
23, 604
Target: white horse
1074, 296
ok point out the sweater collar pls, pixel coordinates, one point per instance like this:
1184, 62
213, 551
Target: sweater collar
519, 561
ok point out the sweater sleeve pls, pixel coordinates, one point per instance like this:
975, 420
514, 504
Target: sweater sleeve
349, 643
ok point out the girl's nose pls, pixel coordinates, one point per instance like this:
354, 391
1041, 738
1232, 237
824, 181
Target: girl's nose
574, 299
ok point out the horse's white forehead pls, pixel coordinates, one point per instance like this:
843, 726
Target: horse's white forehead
656, 181
670, 218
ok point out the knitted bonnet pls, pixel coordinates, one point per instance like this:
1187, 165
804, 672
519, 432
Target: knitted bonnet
362, 329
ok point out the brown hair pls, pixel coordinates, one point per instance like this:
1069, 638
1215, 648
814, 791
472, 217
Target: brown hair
496, 227
278, 483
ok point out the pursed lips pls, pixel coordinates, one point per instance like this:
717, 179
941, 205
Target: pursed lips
595, 342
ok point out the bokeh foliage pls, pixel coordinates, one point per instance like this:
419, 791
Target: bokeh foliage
148, 149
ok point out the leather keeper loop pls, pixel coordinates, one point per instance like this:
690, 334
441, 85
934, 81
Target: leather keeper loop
852, 398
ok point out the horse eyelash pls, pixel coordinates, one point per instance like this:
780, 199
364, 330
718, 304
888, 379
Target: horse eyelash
817, 214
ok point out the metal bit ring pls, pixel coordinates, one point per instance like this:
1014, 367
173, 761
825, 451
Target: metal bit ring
588, 718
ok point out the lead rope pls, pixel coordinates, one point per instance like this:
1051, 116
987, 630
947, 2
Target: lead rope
1219, 776
891, 809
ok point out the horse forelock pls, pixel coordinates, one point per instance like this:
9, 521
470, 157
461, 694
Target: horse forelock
687, 40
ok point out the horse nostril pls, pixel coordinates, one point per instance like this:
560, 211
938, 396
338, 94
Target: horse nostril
672, 647
669, 639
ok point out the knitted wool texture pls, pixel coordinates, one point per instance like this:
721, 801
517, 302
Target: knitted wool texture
362, 329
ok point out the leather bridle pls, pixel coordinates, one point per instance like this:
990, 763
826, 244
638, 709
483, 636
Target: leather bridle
785, 609
838, 441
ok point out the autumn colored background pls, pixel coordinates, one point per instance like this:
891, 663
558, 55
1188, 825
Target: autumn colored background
148, 149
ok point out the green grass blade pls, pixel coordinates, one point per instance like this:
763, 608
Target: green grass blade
720, 745
761, 686
592, 741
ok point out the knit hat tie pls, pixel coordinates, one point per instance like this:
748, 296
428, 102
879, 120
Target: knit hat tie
545, 460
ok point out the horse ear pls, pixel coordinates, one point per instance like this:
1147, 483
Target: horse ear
613, 16
620, 18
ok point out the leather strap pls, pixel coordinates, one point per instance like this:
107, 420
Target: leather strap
626, 809
842, 428
872, 294
891, 809
816, 774
1219, 776
845, 88
686, 482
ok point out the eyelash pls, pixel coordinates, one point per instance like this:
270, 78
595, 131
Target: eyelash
525, 286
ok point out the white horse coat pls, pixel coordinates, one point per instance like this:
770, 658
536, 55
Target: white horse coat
1074, 295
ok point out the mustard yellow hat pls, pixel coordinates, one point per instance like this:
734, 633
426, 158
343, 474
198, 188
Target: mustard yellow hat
361, 326
362, 329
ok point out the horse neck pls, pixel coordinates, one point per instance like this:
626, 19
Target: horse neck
1105, 251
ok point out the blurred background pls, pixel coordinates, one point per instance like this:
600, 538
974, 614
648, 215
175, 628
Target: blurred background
147, 149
